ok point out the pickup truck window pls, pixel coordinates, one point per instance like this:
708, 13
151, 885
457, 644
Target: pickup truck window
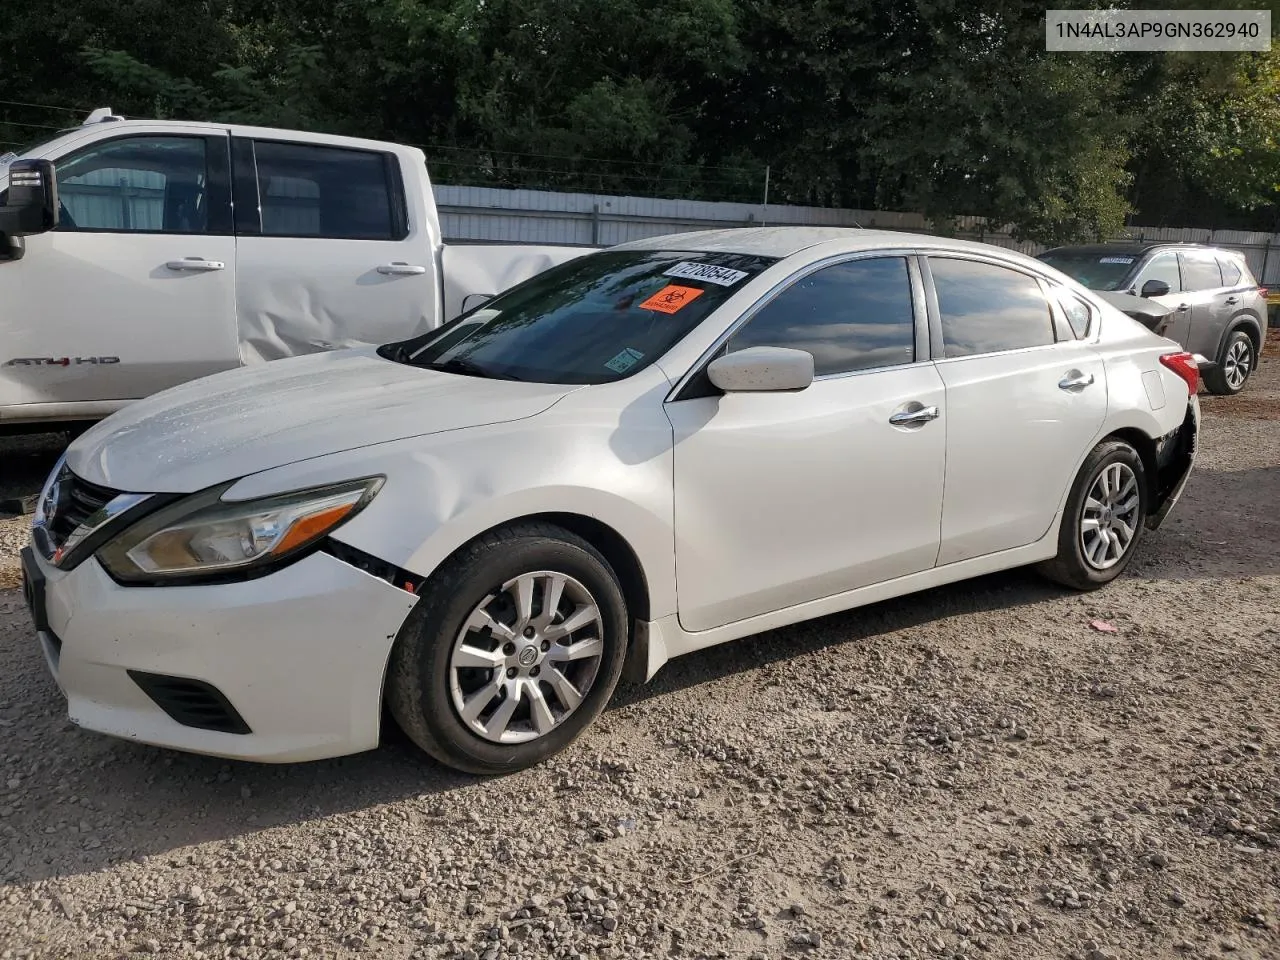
330, 192
592, 320
136, 184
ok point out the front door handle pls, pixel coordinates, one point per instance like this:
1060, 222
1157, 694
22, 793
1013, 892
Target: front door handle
1075, 380
905, 418
1183, 307
195, 265
399, 269
1231, 300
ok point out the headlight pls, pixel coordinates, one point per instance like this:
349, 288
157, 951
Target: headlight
204, 535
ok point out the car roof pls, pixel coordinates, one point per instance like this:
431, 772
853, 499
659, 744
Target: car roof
787, 241
1139, 247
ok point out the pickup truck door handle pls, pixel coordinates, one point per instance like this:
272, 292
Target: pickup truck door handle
1075, 380
196, 265
904, 418
398, 269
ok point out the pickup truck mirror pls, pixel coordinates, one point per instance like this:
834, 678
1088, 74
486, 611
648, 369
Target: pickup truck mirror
32, 206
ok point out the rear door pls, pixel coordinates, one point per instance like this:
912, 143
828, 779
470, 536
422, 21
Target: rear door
328, 255
135, 290
1203, 292
1024, 400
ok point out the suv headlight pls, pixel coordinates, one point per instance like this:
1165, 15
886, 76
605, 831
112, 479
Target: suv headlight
203, 535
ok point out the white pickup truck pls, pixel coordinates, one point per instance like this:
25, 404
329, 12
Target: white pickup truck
139, 254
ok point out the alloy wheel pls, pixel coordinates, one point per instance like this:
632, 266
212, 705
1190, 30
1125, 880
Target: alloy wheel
1109, 521
1238, 362
526, 657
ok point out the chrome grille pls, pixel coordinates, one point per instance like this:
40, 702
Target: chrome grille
71, 502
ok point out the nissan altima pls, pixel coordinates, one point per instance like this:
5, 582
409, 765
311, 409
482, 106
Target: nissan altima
635, 455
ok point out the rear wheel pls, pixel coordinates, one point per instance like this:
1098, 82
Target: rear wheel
1234, 367
514, 649
1104, 518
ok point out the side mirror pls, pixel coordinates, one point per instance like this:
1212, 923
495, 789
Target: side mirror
32, 206
1155, 288
473, 300
761, 370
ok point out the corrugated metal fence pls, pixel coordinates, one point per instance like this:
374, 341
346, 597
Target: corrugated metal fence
535, 216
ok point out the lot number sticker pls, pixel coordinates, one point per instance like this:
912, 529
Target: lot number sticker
708, 272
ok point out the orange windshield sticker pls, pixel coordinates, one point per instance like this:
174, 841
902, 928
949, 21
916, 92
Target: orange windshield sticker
671, 298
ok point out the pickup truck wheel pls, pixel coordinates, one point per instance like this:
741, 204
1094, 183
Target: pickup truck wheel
1233, 369
1104, 519
515, 647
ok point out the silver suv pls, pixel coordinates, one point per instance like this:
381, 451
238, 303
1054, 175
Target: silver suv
1218, 310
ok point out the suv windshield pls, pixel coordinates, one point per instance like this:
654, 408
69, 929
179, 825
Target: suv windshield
1095, 270
592, 320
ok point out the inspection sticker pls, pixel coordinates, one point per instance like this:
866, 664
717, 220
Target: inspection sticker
671, 298
625, 360
1116, 260
721, 276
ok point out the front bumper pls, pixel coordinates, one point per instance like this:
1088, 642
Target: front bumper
298, 655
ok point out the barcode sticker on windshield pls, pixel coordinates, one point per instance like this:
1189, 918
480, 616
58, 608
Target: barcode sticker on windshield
1116, 260
721, 276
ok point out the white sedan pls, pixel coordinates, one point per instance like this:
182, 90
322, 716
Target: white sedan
635, 455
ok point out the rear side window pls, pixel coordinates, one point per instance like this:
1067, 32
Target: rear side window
1076, 311
987, 308
1199, 272
330, 192
1235, 273
851, 316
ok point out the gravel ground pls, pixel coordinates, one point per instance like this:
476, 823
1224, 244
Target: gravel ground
973, 771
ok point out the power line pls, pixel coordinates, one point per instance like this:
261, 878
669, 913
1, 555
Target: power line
33, 126
43, 106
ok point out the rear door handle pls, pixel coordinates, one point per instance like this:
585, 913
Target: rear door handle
195, 265
399, 269
1075, 380
907, 417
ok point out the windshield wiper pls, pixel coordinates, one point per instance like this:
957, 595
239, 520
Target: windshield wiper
467, 368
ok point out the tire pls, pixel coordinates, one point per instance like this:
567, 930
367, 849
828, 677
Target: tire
1234, 366
1073, 566
432, 675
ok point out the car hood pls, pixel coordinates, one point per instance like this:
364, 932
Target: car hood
244, 421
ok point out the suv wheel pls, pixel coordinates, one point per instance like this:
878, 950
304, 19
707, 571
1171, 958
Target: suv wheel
1232, 372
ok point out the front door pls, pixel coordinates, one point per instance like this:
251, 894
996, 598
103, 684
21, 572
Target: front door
1023, 406
135, 290
1164, 266
783, 498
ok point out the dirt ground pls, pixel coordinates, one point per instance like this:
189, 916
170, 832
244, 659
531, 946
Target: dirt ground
973, 771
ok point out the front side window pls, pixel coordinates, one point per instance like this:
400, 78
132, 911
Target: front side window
136, 184
1163, 267
851, 316
591, 320
330, 192
1199, 272
986, 308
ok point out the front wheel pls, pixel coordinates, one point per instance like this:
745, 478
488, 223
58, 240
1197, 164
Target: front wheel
515, 647
1103, 520
1231, 374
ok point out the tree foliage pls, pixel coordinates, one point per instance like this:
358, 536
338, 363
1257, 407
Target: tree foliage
945, 107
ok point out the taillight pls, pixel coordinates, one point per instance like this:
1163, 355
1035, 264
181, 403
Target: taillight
1184, 365
1263, 291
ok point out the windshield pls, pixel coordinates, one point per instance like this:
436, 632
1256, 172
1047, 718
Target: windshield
592, 320
1097, 271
